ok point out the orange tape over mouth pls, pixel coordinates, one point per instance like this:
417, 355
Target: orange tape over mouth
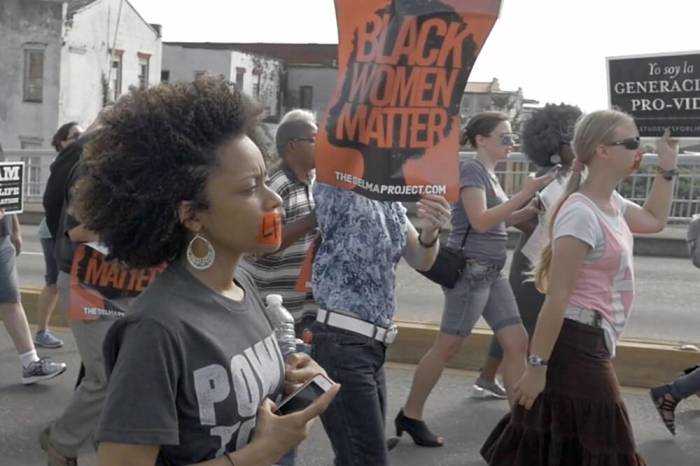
270, 233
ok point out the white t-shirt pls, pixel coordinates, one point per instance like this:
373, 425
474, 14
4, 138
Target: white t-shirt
579, 221
580, 218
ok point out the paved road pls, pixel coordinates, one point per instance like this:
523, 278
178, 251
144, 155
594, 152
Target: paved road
464, 422
666, 308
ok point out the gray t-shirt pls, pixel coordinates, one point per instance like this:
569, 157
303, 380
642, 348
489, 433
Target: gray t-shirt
489, 246
189, 369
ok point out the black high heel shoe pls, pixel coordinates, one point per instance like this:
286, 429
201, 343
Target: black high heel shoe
418, 431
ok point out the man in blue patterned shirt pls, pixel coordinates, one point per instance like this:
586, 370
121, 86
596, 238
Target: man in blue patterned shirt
354, 275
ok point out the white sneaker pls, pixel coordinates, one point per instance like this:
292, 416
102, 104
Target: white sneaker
484, 389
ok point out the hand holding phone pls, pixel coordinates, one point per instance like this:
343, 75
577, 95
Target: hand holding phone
305, 395
276, 433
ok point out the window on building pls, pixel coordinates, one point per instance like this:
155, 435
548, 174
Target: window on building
306, 96
256, 87
116, 75
240, 77
144, 61
165, 76
33, 75
32, 167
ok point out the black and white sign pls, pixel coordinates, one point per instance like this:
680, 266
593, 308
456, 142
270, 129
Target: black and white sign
11, 183
660, 91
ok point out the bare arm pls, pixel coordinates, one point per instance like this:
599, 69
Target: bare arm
291, 232
482, 219
653, 216
567, 256
16, 235
274, 435
16, 228
417, 256
434, 211
122, 454
80, 234
525, 219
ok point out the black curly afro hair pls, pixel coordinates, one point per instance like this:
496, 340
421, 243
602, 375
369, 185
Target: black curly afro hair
547, 130
156, 148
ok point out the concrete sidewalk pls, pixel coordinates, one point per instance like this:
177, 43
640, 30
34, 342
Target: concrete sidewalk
463, 421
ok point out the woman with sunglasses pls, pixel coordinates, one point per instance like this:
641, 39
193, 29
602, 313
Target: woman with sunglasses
569, 410
479, 222
546, 142
174, 178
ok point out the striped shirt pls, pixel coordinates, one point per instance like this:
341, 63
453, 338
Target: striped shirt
277, 273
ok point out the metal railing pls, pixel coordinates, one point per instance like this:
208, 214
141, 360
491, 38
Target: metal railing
686, 189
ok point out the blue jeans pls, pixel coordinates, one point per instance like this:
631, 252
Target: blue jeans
354, 421
685, 386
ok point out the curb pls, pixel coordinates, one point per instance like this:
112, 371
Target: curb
639, 363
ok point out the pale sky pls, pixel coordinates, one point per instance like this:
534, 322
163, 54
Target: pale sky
554, 49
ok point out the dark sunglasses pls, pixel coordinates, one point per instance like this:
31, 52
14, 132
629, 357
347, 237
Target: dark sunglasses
629, 143
506, 140
509, 139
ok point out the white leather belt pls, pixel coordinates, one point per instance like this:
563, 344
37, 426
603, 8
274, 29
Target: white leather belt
353, 324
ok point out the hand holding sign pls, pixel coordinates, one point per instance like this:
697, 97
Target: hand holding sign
434, 210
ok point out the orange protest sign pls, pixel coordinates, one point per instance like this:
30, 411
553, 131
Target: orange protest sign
391, 131
102, 289
270, 233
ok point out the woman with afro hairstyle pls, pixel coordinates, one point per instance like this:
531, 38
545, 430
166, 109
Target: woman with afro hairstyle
546, 142
173, 178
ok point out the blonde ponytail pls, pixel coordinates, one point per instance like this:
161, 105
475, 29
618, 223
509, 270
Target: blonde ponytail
590, 131
541, 272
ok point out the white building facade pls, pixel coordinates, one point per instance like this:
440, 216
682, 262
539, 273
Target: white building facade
63, 60
255, 75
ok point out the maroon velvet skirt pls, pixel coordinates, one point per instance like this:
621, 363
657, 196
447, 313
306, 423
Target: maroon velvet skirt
579, 419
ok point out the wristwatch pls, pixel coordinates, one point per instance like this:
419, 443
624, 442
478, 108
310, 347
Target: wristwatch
536, 361
667, 174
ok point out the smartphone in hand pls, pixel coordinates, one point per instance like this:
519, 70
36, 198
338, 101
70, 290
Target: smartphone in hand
305, 395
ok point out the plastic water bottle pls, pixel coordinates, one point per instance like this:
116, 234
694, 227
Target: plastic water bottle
283, 323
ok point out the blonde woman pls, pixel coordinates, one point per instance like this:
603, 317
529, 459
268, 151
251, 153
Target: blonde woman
569, 409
